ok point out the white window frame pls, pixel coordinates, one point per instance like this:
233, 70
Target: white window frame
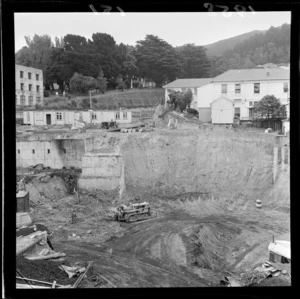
30, 87
254, 87
22, 86
29, 76
285, 87
38, 99
22, 100
125, 116
94, 115
21, 74
58, 116
118, 116
223, 88
30, 100
37, 77
237, 88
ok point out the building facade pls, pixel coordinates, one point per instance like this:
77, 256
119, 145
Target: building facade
244, 87
29, 86
193, 85
68, 117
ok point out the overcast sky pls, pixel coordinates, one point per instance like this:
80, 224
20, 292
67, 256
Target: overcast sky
175, 28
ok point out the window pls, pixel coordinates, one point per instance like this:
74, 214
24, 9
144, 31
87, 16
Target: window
250, 104
37, 77
29, 76
285, 87
38, 100
237, 88
94, 116
223, 88
65, 151
118, 115
38, 88
30, 87
18, 151
256, 87
58, 116
124, 115
195, 91
22, 86
22, 98
30, 100
21, 74
237, 112
33, 151
48, 151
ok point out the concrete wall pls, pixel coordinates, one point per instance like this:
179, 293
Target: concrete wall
101, 171
54, 154
204, 114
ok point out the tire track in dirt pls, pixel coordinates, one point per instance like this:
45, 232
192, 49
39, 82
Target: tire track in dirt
161, 276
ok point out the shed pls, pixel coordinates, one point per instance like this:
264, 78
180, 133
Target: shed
222, 111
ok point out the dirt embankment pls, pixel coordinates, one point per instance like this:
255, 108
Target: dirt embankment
223, 163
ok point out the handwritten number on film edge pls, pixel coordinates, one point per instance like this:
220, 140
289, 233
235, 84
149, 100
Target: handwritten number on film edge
239, 8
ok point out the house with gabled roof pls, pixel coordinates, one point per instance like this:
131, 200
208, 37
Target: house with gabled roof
198, 86
247, 86
243, 87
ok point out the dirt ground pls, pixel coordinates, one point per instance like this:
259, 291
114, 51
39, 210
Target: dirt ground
176, 249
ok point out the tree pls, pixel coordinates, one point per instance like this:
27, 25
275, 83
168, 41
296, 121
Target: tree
101, 82
195, 63
22, 57
269, 107
157, 60
120, 83
180, 100
39, 49
82, 83
75, 43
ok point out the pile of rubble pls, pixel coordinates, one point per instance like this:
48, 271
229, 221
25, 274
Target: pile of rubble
256, 276
38, 265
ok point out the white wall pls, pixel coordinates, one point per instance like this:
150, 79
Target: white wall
65, 152
247, 93
205, 96
40, 117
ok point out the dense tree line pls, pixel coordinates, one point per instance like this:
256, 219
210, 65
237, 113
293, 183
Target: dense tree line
151, 58
272, 46
113, 65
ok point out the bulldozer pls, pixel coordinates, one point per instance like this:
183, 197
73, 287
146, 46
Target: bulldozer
133, 212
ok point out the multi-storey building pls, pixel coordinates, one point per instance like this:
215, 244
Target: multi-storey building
242, 87
29, 86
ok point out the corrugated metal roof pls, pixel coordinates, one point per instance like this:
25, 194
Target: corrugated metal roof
179, 83
265, 74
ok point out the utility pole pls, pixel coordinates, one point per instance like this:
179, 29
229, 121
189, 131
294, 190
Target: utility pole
90, 92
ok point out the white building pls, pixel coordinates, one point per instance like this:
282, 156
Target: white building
193, 84
68, 117
242, 86
29, 86
247, 86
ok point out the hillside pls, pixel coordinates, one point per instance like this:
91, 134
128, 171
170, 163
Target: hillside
218, 48
271, 46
